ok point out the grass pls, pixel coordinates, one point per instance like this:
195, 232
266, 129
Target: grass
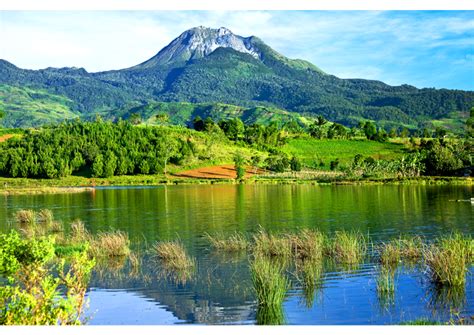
174, 255
447, 260
26, 216
272, 245
233, 243
110, 244
308, 244
347, 247
79, 232
421, 322
269, 282
310, 274
386, 281
312, 151
33, 224
404, 248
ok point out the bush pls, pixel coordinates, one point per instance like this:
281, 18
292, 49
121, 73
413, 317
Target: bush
34, 295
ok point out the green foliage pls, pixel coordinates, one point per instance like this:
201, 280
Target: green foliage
269, 282
239, 161
295, 164
36, 293
444, 158
27, 107
16, 252
101, 148
232, 77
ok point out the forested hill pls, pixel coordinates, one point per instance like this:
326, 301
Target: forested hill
206, 65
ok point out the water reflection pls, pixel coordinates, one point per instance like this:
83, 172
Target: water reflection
220, 290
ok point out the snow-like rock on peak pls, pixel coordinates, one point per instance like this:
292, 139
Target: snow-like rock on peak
199, 42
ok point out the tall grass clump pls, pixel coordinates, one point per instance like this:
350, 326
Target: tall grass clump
448, 259
310, 272
79, 232
110, 244
308, 244
26, 216
176, 265
269, 282
458, 241
347, 247
233, 243
173, 255
402, 249
386, 281
390, 253
45, 216
269, 245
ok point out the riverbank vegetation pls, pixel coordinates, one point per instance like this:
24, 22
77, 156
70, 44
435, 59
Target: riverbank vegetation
104, 150
277, 260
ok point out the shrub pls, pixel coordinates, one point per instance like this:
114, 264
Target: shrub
34, 295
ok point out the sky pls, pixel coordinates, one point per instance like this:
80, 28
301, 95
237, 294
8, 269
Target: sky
421, 48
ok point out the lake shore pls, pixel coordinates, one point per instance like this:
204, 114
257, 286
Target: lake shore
76, 184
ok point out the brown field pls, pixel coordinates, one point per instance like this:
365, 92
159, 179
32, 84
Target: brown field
5, 137
217, 172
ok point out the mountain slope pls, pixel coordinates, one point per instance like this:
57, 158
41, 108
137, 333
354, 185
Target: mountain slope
206, 65
32, 107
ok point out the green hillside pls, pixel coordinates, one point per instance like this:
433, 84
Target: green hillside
25, 107
183, 113
250, 74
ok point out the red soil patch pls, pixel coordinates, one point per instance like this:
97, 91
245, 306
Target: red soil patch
5, 137
217, 172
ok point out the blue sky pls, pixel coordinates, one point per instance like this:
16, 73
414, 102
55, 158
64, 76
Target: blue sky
422, 48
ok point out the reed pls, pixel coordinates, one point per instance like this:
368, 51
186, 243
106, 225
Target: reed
110, 244
269, 245
234, 243
447, 263
308, 244
386, 281
173, 255
26, 216
79, 232
45, 216
347, 247
390, 253
457, 241
309, 273
269, 282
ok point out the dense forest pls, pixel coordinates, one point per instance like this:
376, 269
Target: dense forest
105, 149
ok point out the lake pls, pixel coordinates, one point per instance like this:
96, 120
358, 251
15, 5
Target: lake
220, 291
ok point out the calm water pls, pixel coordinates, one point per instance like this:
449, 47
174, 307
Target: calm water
220, 291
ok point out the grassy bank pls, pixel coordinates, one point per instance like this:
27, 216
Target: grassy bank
76, 184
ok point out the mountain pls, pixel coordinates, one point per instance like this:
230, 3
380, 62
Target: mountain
205, 65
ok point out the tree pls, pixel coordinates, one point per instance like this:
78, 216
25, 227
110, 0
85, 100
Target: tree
135, 118
320, 120
110, 164
295, 164
162, 118
239, 162
256, 163
440, 132
233, 128
198, 124
98, 166
405, 132
393, 132
369, 130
